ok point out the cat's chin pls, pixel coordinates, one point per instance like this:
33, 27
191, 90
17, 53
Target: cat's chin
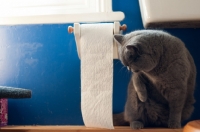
132, 69
135, 71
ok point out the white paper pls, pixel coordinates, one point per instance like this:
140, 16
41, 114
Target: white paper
97, 74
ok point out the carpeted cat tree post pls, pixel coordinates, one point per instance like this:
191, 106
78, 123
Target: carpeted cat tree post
10, 92
16, 93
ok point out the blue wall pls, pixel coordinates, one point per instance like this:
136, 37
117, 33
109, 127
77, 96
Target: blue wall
43, 58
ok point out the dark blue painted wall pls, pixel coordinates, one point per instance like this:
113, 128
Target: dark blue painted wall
43, 58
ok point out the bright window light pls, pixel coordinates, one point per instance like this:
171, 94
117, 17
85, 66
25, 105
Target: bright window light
49, 7
49, 11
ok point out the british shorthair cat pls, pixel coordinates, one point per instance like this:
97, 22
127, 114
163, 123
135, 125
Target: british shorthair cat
160, 92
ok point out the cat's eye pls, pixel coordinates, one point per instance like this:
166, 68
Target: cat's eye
136, 58
131, 48
134, 48
138, 50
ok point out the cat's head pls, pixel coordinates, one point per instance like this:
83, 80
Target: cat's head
138, 51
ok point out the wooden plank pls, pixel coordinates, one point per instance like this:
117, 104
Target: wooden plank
161, 130
78, 129
192, 126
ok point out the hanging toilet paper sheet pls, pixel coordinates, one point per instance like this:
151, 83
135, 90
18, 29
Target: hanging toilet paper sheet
97, 74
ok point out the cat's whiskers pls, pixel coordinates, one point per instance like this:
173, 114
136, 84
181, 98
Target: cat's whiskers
127, 72
121, 69
117, 62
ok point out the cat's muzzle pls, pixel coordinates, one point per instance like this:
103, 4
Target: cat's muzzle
132, 69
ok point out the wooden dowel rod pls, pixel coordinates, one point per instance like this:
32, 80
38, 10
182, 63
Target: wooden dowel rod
71, 29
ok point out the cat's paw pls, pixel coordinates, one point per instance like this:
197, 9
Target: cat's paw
174, 125
142, 97
136, 125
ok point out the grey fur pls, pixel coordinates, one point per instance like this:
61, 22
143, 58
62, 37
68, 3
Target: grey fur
160, 92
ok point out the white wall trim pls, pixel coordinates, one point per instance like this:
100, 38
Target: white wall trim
57, 11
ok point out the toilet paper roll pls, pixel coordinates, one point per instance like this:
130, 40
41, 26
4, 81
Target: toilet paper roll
97, 74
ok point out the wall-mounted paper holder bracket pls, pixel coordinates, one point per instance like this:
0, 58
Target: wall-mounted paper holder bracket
117, 29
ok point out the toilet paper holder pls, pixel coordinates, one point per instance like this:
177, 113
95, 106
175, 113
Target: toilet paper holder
117, 29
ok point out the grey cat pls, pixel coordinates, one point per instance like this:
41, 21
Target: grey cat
160, 92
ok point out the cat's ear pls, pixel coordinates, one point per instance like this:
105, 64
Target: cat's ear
118, 38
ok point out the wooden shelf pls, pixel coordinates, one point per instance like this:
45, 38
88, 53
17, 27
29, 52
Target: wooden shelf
78, 129
192, 126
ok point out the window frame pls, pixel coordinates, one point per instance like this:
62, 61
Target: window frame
61, 12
